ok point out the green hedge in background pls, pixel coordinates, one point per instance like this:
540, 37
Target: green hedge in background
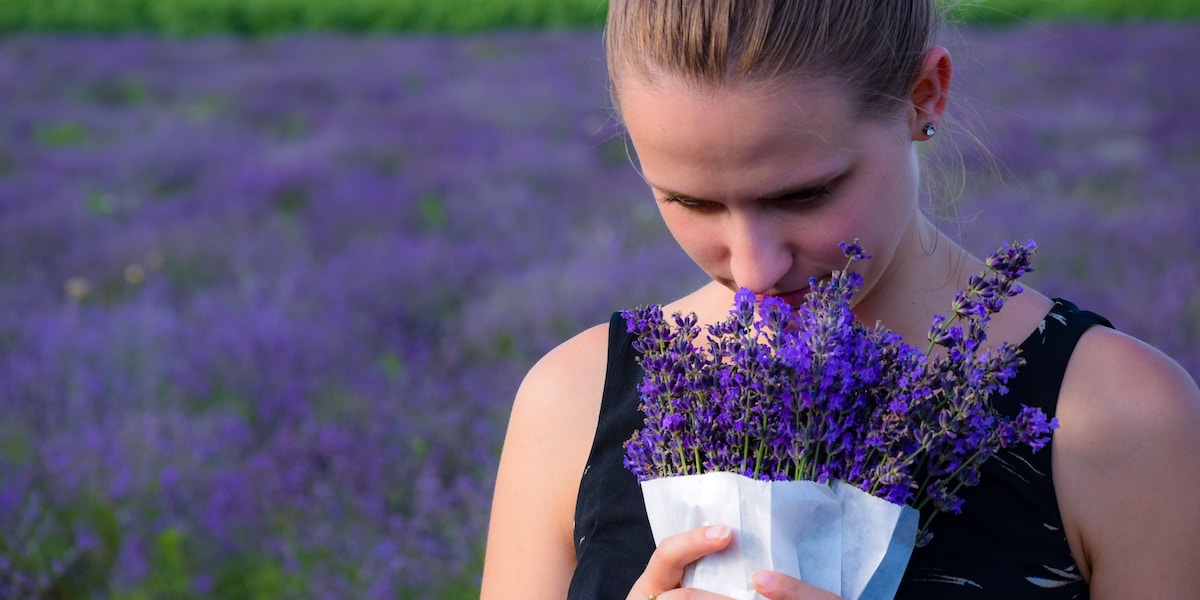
1005, 11
265, 17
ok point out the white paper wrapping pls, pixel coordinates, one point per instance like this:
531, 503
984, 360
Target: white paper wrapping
877, 541
835, 537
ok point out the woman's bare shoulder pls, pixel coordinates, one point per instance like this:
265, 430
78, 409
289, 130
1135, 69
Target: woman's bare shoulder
549, 436
1126, 384
577, 364
1127, 466
558, 405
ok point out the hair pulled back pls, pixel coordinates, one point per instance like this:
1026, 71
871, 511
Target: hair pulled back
872, 47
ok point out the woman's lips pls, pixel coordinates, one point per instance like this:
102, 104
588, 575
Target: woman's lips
793, 298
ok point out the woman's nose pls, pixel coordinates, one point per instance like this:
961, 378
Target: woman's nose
759, 256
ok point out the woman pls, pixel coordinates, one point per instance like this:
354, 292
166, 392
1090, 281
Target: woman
768, 132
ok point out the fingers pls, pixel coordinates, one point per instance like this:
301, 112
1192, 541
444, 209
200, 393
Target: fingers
664, 572
665, 569
777, 586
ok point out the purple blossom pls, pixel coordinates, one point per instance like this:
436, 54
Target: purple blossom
813, 394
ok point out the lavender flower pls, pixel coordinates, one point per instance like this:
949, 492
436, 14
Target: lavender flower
813, 394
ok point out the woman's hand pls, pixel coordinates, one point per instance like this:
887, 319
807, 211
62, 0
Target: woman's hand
664, 572
778, 586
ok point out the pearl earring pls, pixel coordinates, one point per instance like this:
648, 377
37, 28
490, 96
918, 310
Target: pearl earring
929, 129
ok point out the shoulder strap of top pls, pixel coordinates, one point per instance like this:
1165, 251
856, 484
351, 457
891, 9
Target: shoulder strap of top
1048, 350
622, 366
613, 541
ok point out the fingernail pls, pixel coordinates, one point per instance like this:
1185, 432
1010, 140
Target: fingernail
764, 580
719, 532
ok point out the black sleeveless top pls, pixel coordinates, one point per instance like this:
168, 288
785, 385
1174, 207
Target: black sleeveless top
1008, 542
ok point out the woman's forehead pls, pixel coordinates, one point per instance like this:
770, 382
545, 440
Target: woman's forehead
710, 139
799, 104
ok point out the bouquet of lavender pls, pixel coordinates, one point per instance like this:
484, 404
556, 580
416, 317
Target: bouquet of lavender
842, 431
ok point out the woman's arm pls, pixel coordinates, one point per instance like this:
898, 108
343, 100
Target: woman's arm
1127, 468
529, 548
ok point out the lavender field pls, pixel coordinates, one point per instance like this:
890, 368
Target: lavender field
265, 302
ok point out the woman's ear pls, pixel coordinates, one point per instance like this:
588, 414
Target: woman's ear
930, 93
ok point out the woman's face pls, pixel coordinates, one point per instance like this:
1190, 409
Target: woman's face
759, 187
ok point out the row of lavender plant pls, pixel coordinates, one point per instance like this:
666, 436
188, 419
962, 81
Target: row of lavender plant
266, 302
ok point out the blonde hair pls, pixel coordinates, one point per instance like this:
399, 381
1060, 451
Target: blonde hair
873, 48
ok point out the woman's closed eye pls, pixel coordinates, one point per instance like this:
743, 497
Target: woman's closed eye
690, 203
800, 198
792, 199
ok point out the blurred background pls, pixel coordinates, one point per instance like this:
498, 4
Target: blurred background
272, 270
